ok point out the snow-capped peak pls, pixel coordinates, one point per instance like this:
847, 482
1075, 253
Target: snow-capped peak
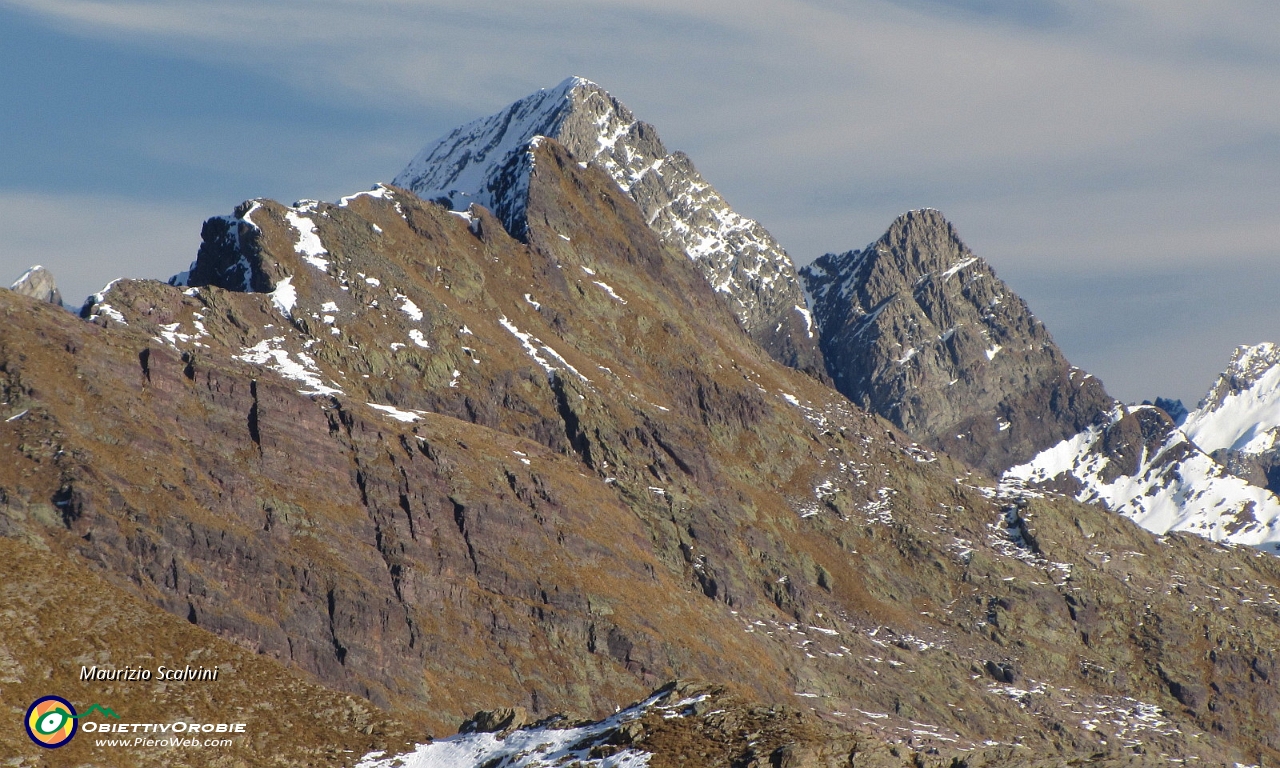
27, 275
487, 161
1136, 463
461, 166
1242, 410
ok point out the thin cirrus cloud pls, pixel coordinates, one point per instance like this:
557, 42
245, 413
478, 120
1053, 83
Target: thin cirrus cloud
1063, 137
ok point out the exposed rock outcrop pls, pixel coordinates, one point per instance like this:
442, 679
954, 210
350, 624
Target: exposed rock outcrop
1238, 420
918, 329
38, 283
487, 162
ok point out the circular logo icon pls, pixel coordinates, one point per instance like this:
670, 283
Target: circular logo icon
51, 721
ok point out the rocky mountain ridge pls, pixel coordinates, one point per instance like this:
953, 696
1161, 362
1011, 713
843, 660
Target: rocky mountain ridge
487, 162
1208, 474
398, 451
553, 473
1238, 420
918, 329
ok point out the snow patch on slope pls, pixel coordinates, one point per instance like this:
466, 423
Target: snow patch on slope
534, 347
270, 353
398, 414
308, 245
537, 746
1175, 487
285, 296
1242, 411
98, 307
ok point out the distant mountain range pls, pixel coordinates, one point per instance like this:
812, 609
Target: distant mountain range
515, 440
917, 328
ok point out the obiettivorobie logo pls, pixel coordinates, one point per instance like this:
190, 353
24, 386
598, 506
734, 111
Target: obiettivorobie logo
52, 721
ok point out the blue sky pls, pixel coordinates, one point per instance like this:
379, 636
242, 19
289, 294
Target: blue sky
1117, 161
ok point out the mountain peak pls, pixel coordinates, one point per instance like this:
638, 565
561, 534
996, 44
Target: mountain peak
920, 330
924, 216
38, 283
576, 81
1241, 413
927, 240
1249, 364
485, 162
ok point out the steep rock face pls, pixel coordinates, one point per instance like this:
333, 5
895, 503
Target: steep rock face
1238, 421
918, 329
38, 283
56, 616
1137, 463
449, 471
485, 162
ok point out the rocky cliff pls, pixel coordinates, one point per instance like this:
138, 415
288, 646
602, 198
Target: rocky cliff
38, 283
918, 329
487, 162
409, 456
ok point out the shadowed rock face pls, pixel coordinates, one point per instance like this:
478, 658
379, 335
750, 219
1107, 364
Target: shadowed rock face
38, 283
485, 162
918, 329
422, 461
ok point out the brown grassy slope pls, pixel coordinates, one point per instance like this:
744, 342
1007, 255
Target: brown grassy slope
304, 551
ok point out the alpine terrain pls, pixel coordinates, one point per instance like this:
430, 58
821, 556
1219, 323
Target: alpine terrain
1212, 475
487, 162
918, 329
1238, 421
480, 468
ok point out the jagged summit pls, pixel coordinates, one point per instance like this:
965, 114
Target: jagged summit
920, 330
1241, 411
1137, 463
38, 283
462, 167
1238, 420
486, 162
